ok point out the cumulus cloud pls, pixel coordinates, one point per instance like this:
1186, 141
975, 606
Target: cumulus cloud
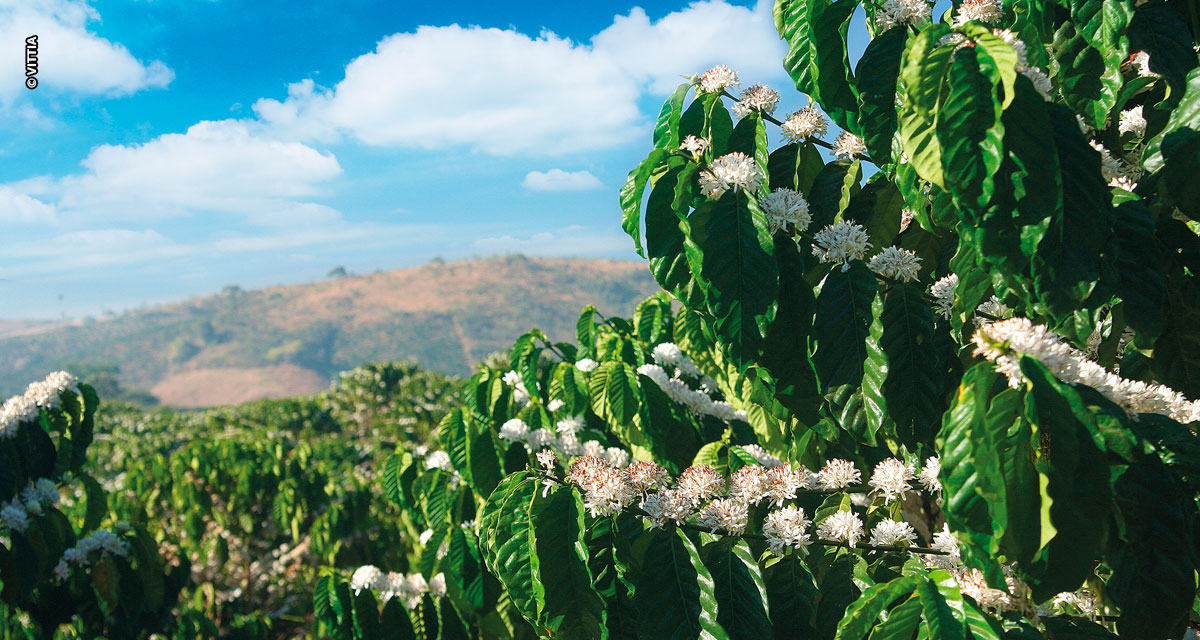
692, 40
216, 166
505, 93
70, 58
498, 91
18, 207
559, 180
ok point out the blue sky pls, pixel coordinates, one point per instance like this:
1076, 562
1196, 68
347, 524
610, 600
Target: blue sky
174, 147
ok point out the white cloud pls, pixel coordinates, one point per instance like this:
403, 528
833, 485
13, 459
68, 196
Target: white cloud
559, 180
506, 93
692, 40
217, 167
498, 91
70, 58
17, 207
567, 241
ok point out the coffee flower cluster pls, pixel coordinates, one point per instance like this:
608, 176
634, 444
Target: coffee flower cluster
704, 498
841, 242
410, 588
81, 555
566, 440
731, 171
1003, 341
44, 394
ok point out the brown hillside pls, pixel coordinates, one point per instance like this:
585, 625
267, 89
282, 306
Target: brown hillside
285, 340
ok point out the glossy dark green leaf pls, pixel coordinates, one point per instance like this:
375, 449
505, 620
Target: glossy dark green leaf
568, 605
739, 589
674, 596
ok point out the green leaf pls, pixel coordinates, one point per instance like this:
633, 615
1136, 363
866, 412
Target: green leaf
862, 614
1088, 84
940, 623
836, 591
97, 503
614, 391
652, 319
366, 615
666, 130
585, 331
990, 484
1070, 257
1154, 578
674, 591
507, 542
842, 321
902, 377
631, 196
1077, 488
1142, 283
817, 59
394, 623
969, 130
922, 72
567, 603
785, 351
791, 594
1157, 29
739, 266
876, 75
739, 589
666, 228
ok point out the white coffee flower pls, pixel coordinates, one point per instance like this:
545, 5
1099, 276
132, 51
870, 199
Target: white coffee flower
617, 457
514, 430
847, 145
367, 577
439, 460
890, 533
554, 405
787, 528
667, 354
731, 171
943, 293
929, 475
896, 263
757, 99
540, 439
668, 505
727, 514
718, 79
570, 425
546, 458
1133, 120
587, 365
841, 526
894, 12
695, 146
750, 484
987, 11
891, 478
805, 124
700, 482
841, 242
838, 474
761, 456
437, 585
1040, 81
13, 516
785, 208
645, 476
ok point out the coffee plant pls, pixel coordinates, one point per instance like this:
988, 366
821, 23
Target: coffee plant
928, 380
62, 569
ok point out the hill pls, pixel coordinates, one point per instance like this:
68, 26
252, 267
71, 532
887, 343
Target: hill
289, 340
